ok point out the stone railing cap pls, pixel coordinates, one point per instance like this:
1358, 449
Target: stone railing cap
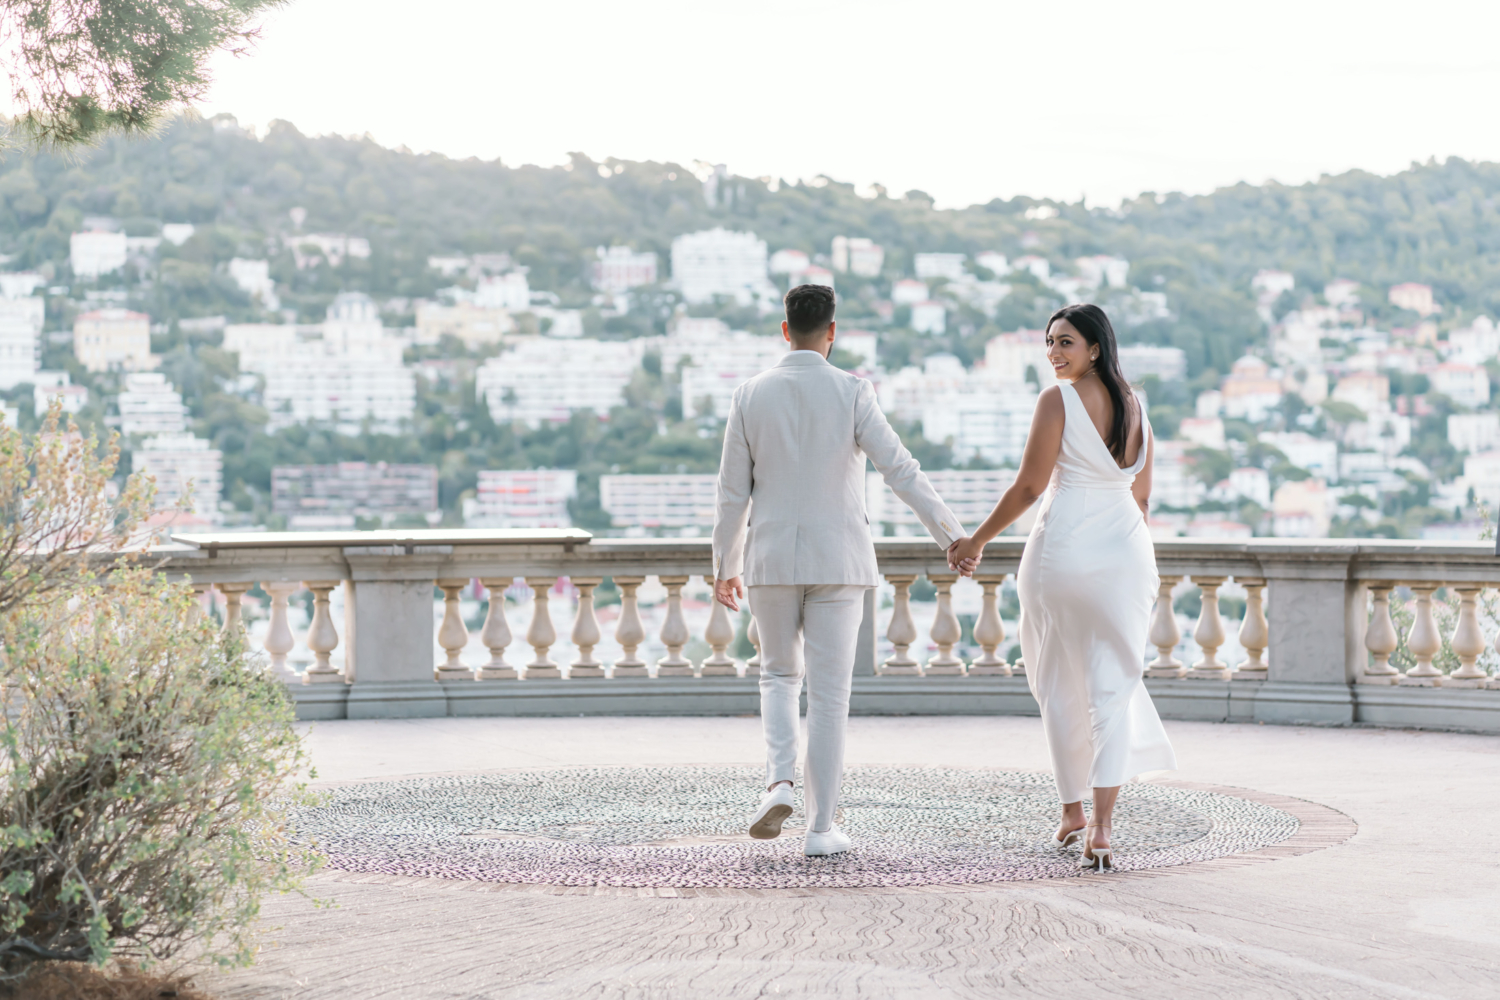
389, 537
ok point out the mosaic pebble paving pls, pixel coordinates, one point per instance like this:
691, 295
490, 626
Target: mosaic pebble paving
685, 827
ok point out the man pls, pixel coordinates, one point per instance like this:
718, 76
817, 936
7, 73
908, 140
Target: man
791, 526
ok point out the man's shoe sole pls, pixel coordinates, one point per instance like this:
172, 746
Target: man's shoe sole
768, 827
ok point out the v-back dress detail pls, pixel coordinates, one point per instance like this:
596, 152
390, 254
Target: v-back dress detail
1087, 583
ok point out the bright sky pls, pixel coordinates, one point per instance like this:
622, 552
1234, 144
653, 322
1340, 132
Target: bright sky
965, 99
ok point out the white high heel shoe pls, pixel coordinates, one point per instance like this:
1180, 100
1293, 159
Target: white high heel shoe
1069, 839
1097, 859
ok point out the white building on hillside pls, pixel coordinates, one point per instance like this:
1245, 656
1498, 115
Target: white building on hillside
1172, 481
95, 253
992, 424
970, 493
1466, 385
522, 498
1320, 456
346, 393
177, 461
714, 361
906, 394
509, 291
150, 405
543, 379
1341, 293
792, 262
1475, 344
679, 503
619, 269
929, 317
909, 291
720, 262
346, 370
57, 385
21, 321
1474, 432
1205, 432
20, 284
254, 279
1167, 363
310, 248
858, 255
1019, 357
1268, 285
929, 266
1103, 271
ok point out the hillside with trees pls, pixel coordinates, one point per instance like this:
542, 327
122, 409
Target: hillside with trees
1434, 223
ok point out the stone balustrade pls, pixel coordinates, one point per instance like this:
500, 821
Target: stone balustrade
1317, 633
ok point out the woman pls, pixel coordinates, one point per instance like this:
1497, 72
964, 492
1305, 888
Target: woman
1088, 576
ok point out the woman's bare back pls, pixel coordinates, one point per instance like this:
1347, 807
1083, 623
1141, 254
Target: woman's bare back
1101, 411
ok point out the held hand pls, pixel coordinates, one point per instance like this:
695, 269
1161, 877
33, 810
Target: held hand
965, 555
725, 592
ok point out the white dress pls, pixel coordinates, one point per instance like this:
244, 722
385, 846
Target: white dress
1087, 583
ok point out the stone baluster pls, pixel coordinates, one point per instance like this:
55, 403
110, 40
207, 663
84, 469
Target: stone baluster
1165, 635
1380, 637
586, 632
1423, 641
322, 637
629, 631
1467, 642
674, 631
752, 634
946, 631
234, 615
279, 641
719, 634
1255, 632
902, 631
496, 634
989, 630
541, 635
1210, 633
452, 634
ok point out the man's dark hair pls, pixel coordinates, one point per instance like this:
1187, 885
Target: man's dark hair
809, 309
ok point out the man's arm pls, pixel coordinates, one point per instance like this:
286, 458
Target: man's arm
732, 506
880, 443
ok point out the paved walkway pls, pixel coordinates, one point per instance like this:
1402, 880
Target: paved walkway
1408, 907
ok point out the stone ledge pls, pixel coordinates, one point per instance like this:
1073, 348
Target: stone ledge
1193, 700
1459, 709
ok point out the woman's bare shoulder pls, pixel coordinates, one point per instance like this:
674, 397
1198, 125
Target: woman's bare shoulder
1051, 396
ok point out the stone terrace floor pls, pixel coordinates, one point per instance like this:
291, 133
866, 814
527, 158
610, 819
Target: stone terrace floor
1409, 906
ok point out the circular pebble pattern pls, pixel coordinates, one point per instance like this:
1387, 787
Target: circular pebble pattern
685, 827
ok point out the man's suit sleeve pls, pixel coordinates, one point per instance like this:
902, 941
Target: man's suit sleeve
880, 443
732, 504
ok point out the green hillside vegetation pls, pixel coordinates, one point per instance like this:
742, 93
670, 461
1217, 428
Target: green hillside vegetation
1434, 223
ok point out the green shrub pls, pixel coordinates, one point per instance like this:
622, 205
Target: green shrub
145, 760
146, 765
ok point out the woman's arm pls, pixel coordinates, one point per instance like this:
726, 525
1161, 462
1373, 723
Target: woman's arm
1042, 447
1141, 488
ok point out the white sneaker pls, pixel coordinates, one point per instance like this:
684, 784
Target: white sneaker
775, 807
831, 841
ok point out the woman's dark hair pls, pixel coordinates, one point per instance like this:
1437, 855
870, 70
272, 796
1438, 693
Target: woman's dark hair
1089, 320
